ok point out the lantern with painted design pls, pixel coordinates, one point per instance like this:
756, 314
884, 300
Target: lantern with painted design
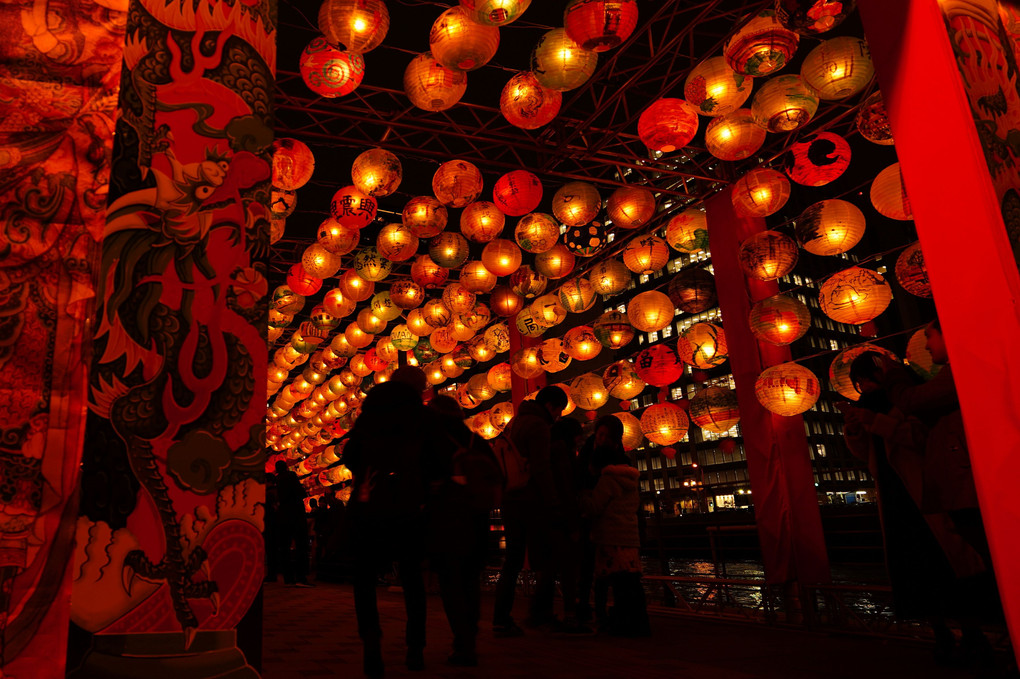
609, 277
761, 47
586, 240
501, 414
784, 103
838, 68
495, 12
293, 164
889, 194
911, 273
664, 423
425, 216
336, 238
715, 88
449, 249
501, 256
548, 310
810, 17
479, 351
830, 227
631, 207
854, 296
337, 304
319, 262
734, 136
687, 232
459, 299
302, 282
818, 159
457, 183
396, 243
437, 314
527, 282
581, 343
768, 255
517, 193
576, 203
427, 273
358, 25
577, 295
561, 64
556, 262
760, 193
552, 355
383, 306
352, 208
588, 392
377, 172
443, 341
787, 389
461, 44
330, 72
658, 365
600, 25
715, 409
526, 104
622, 380
873, 121
646, 255
402, 338
780, 319
703, 345
613, 330
431, 86
497, 337
537, 232
371, 266
529, 324
668, 124
407, 294
499, 377
839, 369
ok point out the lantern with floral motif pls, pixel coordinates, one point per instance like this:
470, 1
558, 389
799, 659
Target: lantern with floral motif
830, 227
889, 194
427, 273
787, 389
431, 86
646, 255
461, 44
495, 12
687, 232
784, 103
600, 25
537, 232
873, 121
715, 409
505, 302
501, 256
457, 183
576, 203
581, 343
761, 47
586, 240
734, 136
703, 345
330, 72
293, 164
658, 365
527, 282
664, 423
561, 64
377, 172
481, 221
358, 25
588, 392
854, 296
424, 216
353, 209
609, 277
650, 311
517, 193
838, 68
768, 255
497, 337
715, 88
668, 124
760, 193
613, 330
476, 278
336, 238
622, 381
577, 295
302, 282
526, 363
780, 319
818, 159
526, 104
556, 262
319, 262
449, 249
839, 369
911, 273
631, 207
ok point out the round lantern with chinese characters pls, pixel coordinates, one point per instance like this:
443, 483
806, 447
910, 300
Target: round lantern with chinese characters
537, 232
577, 295
527, 282
358, 25
586, 240
761, 46
780, 319
734, 136
377, 172
525, 363
461, 44
529, 324
768, 255
556, 262
658, 365
613, 330
501, 256
810, 17
715, 88
609, 277
457, 183
760, 193
632, 435
336, 238
505, 302
402, 338
425, 216
431, 86
282, 203
703, 345
911, 273
417, 324
319, 262
444, 342
784, 103
449, 249
873, 121
664, 423
497, 337
838, 68
818, 160
561, 64
580, 342
889, 194
293, 164
715, 409
302, 282
548, 310
668, 124
631, 207
839, 369
495, 12
687, 232
437, 314
830, 227
476, 278
382, 306
517, 193
371, 266
499, 377
459, 299
337, 304
692, 290
374, 361
647, 254
552, 355
353, 209
600, 25
330, 72
481, 221
854, 296
354, 287
576, 203
526, 104
650, 311
622, 380
427, 273
396, 243
588, 392
787, 389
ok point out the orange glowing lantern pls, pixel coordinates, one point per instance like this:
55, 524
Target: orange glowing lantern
780, 319
461, 44
734, 136
588, 392
622, 381
526, 104
556, 262
501, 414
577, 295
396, 243
576, 203
497, 337
282, 203
476, 278
517, 193
479, 387
632, 434
580, 342
600, 25
449, 249
499, 377
382, 306
467, 401
353, 209
341, 347
417, 324
703, 345
537, 232
527, 282
664, 423
526, 364
369, 322
427, 273
818, 160
715, 88
505, 302
768, 255
319, 262
376, 172
911, 273
854, 296
502, 257
436, 313
668, 124
337, 239
889, 194
613, 330
787, 389
460, 331
650, 311
873, 121
402, 338
760, 193
481, 221
386, 351
784, 103
356, 336
830, 227
838, 68
561, 64
425, 216
375, 362
359, 366
761, 46
431, 86
457, 183
371, 266
479, 351
631, 207
839, 369
548, 310
530, 324
609, 277
434, 373
646, 255
443, 341
715, 409
495, 12
658, 365
302, 282
552, 355
459, 299
477, 318
358, 25
336, 304
687, 232
330, 72
293, 164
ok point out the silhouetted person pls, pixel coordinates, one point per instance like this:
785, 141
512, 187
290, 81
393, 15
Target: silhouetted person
293, 525
274, 549
567, 436
320, 525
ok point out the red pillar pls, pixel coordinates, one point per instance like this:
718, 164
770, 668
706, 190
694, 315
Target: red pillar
782, 482
970, 260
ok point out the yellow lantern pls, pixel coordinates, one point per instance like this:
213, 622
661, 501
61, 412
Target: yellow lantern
526, 364
622, 381
780, 319
556, 262
560, 64
499, 376
461, 44
424, 216
839, 369
356, 337
830, 227
497, 337
481, 221
537, 232
577, 295
502, 257
715, 89
581, 344
687, 232
476, 278
336, 238
609, 277
664, 423
703, 345
402, 338
459, 299
501, 414
369, 322
495, 12
377, 172
761, 46
437, 314
632, 435
548, 310
715, 409
734, 136
854, 296
588, 392
319, 262
576, 203
341, 347
613, 330
650, 311
457, 183
760, 193
382, 306
449, 249
431, 86
396, 243
527, 282
889, 194
911, 273
407, 294
646, 255
631, 207
784, 103
838, 68
787, 389
358, 25
768, 255
417, 324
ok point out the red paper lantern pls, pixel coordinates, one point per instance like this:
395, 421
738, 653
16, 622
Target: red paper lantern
353, 209
703, 345
818, 159
760, 193
355, 287
779, 320
631, 207
302, 282
658, 365
668, 124
358, 25
336, 304
431, 86
600, 25
427, 273
481, 221
330, 72
336, 238
810, 17
526, 104
580, 342
293, 164
517, 193
761, 46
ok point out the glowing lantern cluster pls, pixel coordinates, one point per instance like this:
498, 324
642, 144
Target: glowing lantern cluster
839, 369
560, 64
581, 344
838, 68
358, 25
889, 194
481, 221
768, 255
911, 273
495, 12
692, 290
687, 232
622, 380
330, 72
715, 88
449, 249
319, 262
668, 124
830, 227
577, 295
353, 209
854, 296
613, 330
426, 273
734, 136
476, 278
457, 183
645, 255
588, 392
780, 319
609, 277
460, 44
600, 25
431, 86
760, 193
715, 409
517, 193
556, 262
650, 311
537, 232
787, 389
664, 423
818, 160
873, 121
784, 103
703, 345
658, 365
293, 164
526, 104
576, 203
376, 172
762, 46
631, 207
396, 242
